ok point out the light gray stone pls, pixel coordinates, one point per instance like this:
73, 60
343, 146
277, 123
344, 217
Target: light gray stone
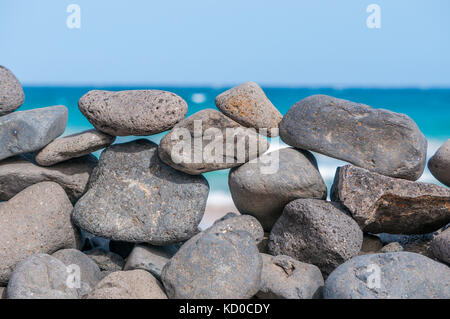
11, 92
392, 248
441, 246
439, 164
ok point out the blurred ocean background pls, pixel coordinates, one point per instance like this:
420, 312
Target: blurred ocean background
429, 108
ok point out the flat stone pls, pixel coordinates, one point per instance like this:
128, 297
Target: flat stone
283, 277
133, 284
222, 265
41, 277
376, 139
439, 164
263, 187
29, 131
392, 248
382, 204
20, 172
249, 106
11, 92
106, 261
37, 220
208, 141
316, 232
402, 275
73, 146
441, 246
135, 112
134, 197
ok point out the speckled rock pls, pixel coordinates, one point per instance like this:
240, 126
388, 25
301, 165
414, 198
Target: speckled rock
263, 187
11, 92
439, 164
90, 273
41, 276
401, 275
382, 204
28, 131
106, 260
20, 172
208, 141
73, 146
249, 106
214, 266
392, 248
441, 246
283, 277
376, 139
316, 232
134, 197
37, 220
135, 112
134, 284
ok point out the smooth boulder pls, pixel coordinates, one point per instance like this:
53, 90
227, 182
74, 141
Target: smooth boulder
382, 204
376, 139
439, 164
11, 92
29, 131
263, 187
134, 197
134, 112
441, 246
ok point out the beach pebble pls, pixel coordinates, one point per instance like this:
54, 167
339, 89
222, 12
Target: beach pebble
11, 92
134, 197
400, 275
263, 187
224, 265
28, 131
41, 276
392, 248
283, 277
133, 284
371, 244
20, 172
73, 146
135, 112
441, 246
439, 164
208, 141
90, 273
376, 139
382, 204
249, 106
37, 220
106, 260
316, 232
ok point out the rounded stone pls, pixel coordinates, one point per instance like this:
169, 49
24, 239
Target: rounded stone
134, 112
11, 92
439, 164
441, 246
392, 248
106, 261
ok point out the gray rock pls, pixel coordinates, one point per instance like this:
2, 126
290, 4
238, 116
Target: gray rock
90, 274
20, 172
262, 188
402, 275
371, 244
208, 141
283, 277
28, 131
135, 112
211, 265
439, 164
316, 232
134, 284
73, 146
376, 139
249, 106
106, 261
392, 248
134, 197
2, 293
37, 220
382, 204
441, 246
41, 277
11, 92
263, 246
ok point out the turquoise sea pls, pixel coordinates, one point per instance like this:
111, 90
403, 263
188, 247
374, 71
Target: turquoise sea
429, 108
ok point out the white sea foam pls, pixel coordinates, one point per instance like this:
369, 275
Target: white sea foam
198, 98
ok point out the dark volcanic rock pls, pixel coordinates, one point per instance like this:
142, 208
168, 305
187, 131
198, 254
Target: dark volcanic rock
214, 265
208, 141
376, 139
263, 187
134, 197
11, 92
439, 164
441, 246
136, 112
28, 131
382, 204
401, 275
316, 232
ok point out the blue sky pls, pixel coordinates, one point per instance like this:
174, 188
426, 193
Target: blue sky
210, 42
